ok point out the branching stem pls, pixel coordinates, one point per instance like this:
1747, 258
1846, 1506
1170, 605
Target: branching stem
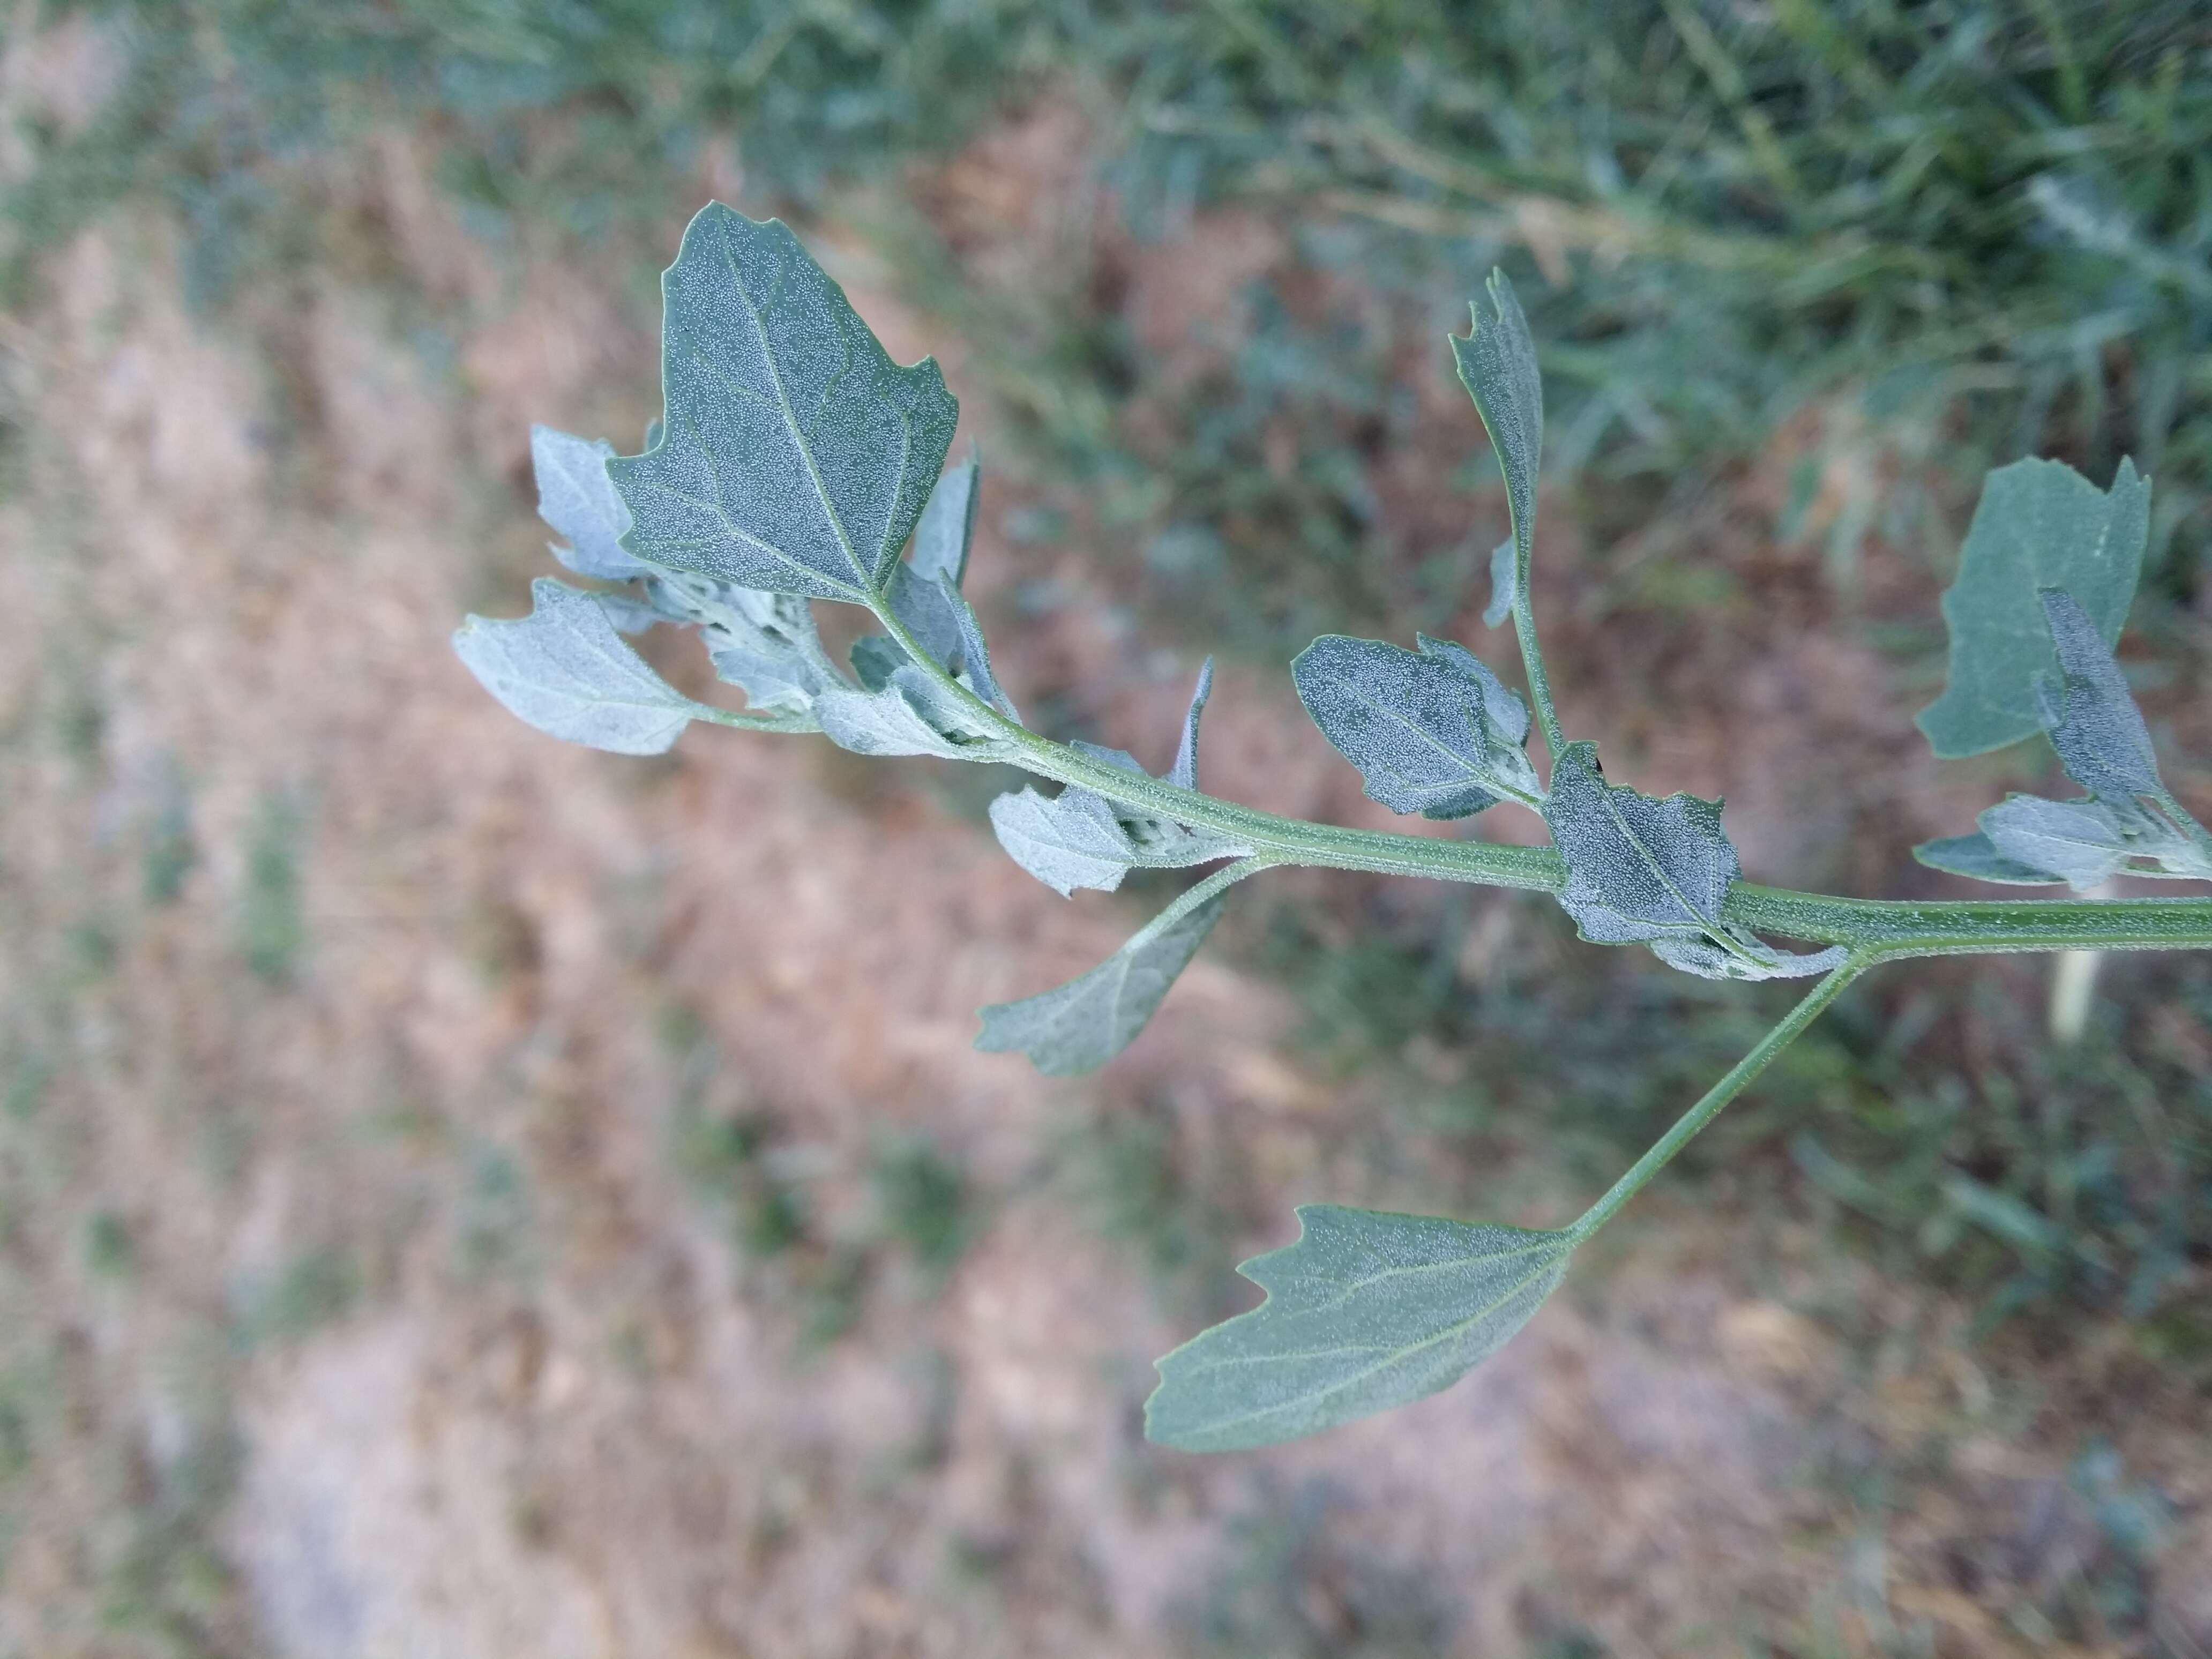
1874, 930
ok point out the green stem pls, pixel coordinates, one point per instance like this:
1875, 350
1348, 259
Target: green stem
1875, 930
1718, 1095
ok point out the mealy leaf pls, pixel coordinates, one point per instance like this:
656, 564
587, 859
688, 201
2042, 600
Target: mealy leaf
1642, 869
2104, 746
1977, 857
1366, 1311
2040, 524
910, 714
1497, 365
577, 498
1433, 732
1080, 838
1504, 589
1080, 1025
2089, 712
564, 670
941, 540
2079, 841
1746, 955
767, 644
796, 456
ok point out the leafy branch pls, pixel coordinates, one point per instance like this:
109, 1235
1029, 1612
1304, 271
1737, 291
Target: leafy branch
796, 463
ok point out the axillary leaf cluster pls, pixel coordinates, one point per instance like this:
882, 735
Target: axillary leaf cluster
796, 463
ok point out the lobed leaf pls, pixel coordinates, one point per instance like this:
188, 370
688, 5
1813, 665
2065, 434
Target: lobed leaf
795, 457
1433, 732
1080, 1025
577, 498
565, 671
1366, 1311
1645, 869
2040, 524
1080, 838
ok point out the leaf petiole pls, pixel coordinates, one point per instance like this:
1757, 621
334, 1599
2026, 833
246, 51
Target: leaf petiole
1709, 1107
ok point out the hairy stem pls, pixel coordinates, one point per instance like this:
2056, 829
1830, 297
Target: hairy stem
1708, 1108
1875, 930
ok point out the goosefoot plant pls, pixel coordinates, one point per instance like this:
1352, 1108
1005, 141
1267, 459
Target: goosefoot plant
795, 462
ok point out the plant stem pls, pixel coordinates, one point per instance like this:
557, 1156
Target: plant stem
1875, 930
1718, 1095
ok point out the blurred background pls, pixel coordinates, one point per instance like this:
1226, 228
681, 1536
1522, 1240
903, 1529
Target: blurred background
462, 1195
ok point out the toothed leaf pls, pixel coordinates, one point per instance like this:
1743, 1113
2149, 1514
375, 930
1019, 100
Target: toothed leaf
563, 669
1433, 732
795, 456
1641, 869
1366, 1311
2040, 524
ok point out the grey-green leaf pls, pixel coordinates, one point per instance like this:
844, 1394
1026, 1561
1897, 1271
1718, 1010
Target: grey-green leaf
1974, 856
1643, 869
1080, 838
2079, 841
577, 498
1433, 732
1504, 586
2040, 524
910, 714
1497, 365
767, 644
795, 456
941, 540
565, 671
1366, 1311
2092, 716
1746, 955
1080, 1025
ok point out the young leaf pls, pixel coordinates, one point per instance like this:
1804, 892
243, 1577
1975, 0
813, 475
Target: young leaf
1643, 869
1434, 732
565, 671
767, 644
2104, 747
1366, 1311
1078, 838
577, 498
796, 456
941, 540
2040, 524
1497, 365
910, 714
1977, 857
1080, 1025
2089, 712
1503, 586
2078, 841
